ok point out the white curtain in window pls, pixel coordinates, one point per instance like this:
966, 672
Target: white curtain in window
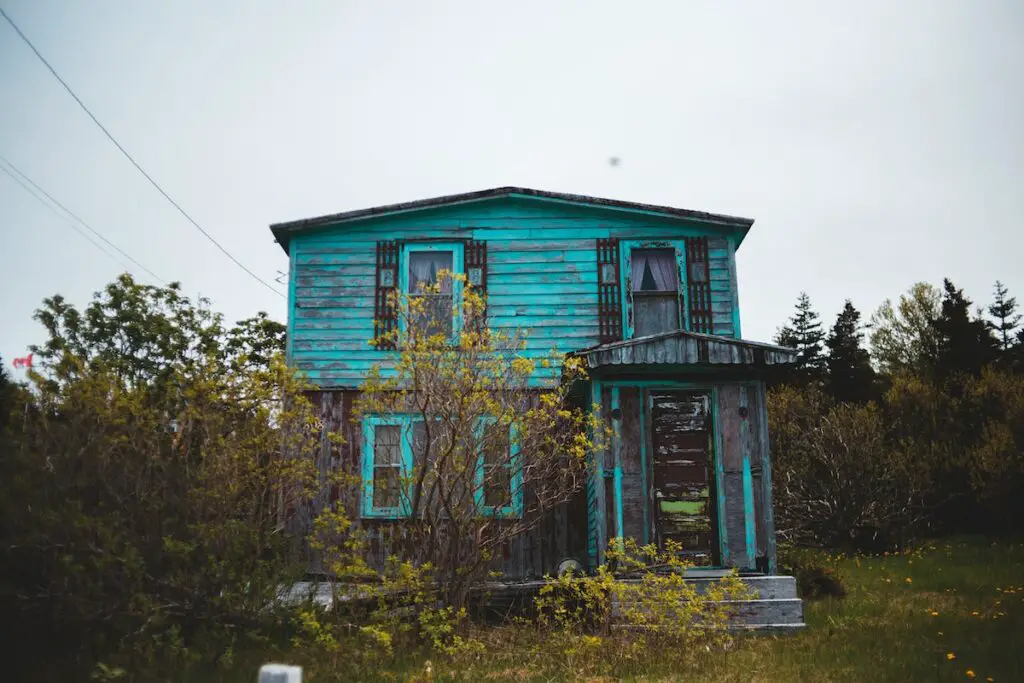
424, 267
662, 265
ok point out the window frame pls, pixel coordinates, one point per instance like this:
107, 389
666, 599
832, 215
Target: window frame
407, 462
515, 509
626, 248
370, 423
458, 250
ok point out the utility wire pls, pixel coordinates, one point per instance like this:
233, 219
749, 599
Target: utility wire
63, 217
76, 217
132, 160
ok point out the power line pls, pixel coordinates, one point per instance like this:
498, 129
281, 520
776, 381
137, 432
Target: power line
61, 216
132, 160
75, 216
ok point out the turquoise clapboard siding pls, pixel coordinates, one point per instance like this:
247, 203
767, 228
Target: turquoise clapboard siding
542, 277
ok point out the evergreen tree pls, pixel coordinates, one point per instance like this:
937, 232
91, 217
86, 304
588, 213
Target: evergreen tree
965, 343
804, 333
850, 375
1004, 311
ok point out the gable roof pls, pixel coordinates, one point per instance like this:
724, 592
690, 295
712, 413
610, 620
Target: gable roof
284, 231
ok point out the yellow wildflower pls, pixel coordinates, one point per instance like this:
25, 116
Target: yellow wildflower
950, 656
974, 613
909, 580
970, 673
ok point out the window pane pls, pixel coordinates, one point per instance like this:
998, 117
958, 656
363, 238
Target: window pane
497, 485
419, 443
654, 270
385, 487
697, 271
433, 314
654, 313
424, 267
497, 465
386, 445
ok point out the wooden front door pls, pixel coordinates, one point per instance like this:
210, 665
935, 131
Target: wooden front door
684, 473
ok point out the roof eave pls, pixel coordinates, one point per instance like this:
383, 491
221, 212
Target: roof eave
759, 353
282, 231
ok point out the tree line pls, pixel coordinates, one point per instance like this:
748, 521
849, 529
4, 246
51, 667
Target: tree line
151, 464
909, 424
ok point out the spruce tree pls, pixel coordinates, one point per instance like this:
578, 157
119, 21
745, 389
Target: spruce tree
804, 333
850, 375
965, 343
1006, 318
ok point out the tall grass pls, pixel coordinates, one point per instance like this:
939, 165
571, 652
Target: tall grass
943, 611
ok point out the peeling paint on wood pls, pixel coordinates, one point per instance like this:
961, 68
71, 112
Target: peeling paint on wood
683, 472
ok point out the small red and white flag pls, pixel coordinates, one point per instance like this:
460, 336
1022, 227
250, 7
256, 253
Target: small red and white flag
23, 362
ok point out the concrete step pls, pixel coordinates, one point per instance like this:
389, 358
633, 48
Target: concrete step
766, 613
763, 587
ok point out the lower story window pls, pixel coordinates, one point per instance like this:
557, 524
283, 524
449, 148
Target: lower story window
499, 473
386, 464
395, 445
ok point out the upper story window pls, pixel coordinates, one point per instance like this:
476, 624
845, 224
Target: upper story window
654, 284
435, 316
435, 298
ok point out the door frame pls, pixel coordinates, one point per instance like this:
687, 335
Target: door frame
647, 461
717, 527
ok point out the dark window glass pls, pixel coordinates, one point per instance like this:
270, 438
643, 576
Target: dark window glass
654, 280
387, 462
435, 315
497, 466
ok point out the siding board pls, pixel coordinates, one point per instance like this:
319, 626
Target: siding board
542, 275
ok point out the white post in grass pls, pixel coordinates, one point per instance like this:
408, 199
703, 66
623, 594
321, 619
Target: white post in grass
280, 673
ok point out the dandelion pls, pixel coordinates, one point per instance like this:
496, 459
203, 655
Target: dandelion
909, 580
934, 613
974, 613
950, 656
970, 673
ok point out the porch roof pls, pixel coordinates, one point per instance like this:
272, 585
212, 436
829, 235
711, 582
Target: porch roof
680, 347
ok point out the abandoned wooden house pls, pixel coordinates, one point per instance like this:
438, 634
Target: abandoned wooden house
646, 295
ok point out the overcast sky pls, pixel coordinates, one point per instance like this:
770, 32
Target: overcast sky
876, 143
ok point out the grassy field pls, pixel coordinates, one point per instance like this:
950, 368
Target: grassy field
945, 611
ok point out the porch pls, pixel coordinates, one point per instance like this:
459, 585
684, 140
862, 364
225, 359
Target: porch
688, 456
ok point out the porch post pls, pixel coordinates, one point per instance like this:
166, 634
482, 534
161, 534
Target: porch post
595, 490
749, 524
617, 471
766, 478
